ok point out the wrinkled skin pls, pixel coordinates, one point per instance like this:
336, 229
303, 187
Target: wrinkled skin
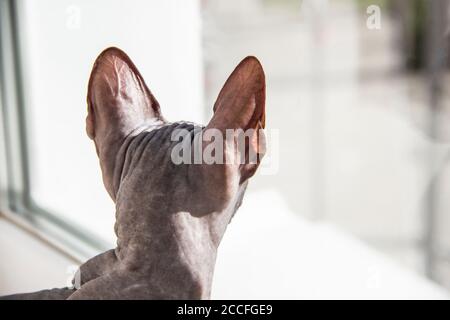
170, 218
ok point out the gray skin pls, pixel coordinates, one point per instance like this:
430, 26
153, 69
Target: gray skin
170, 218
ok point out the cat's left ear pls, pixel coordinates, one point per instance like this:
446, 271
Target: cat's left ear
119, 101
118, 98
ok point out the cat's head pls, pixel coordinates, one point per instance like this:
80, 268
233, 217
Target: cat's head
123, 114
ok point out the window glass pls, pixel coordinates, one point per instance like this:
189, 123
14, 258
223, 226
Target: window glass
60, 41
363, 138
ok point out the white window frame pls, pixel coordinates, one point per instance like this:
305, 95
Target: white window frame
16, 204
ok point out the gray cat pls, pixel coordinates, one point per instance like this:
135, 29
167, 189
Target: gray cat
170, 218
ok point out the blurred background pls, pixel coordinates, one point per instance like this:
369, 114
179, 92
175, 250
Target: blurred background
351, 201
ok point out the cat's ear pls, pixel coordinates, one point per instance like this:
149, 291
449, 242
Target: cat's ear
118, 102
118, 98
240, 106
241, 102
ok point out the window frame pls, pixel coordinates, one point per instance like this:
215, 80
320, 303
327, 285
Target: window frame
16, 203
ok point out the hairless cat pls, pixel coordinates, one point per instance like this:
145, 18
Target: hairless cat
170, 218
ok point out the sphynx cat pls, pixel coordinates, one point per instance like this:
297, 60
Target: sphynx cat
170, 218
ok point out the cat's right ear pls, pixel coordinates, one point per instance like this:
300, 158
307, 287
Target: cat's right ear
240, 106
241, 102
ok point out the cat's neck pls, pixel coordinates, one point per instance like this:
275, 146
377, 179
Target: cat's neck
175, 253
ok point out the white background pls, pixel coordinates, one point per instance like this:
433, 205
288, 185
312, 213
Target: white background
61, 40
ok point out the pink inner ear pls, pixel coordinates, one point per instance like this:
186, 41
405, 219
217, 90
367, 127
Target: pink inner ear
118, 98
241, 102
